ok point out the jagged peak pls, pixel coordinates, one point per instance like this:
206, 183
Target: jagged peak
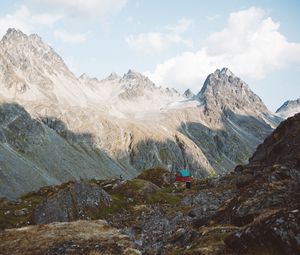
113, 76
225, 74
84, 76
30, 52
170, 91
289, 102
226, 77
226, 71
131, 74
13, 33
289, 108
36, 37
222, 89
188, 94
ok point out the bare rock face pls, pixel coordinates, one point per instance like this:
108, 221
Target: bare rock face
268, 205
276, 232
289, 108
189, 94
281, 147
222, 89
76, 201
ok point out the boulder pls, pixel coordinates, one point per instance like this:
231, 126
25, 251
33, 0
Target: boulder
76, 201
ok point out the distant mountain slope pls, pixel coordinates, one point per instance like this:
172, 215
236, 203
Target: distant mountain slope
289, 108
33, 154
118, 125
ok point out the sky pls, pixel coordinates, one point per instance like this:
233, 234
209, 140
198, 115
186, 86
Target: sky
175, 43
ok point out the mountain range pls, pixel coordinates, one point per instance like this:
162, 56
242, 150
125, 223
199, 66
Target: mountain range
56, 127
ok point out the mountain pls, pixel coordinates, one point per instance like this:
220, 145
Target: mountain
189, 94
224, 92
33, 71
56, 127
289, 108
39, 152
254, 209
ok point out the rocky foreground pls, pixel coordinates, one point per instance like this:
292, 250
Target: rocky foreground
253, 210
80, 237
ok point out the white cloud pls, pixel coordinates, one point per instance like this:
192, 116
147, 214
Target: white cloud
24, 20
250, 44
149, 43
99, 9
157, 42
213, 17
182, 26
68, 37
45, 19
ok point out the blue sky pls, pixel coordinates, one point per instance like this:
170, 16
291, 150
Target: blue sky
175, 43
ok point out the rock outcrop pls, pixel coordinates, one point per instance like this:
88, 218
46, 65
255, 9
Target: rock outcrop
74, 201
268, 203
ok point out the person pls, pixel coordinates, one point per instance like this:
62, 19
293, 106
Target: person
188, 185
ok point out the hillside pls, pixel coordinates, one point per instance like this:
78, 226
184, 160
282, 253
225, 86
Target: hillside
253, 210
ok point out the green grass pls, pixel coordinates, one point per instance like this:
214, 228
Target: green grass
119, 203
161, 197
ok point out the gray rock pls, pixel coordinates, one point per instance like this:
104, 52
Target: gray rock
71, 203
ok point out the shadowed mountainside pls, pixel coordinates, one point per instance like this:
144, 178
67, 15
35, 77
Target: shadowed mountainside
46, 149
34, 155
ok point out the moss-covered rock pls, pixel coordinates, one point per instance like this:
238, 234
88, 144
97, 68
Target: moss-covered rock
136, 189
75, 201
159, 176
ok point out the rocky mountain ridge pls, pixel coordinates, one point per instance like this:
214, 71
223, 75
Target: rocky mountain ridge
58, 127
289, 108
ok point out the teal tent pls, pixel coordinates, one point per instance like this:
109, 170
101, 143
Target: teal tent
184, 173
